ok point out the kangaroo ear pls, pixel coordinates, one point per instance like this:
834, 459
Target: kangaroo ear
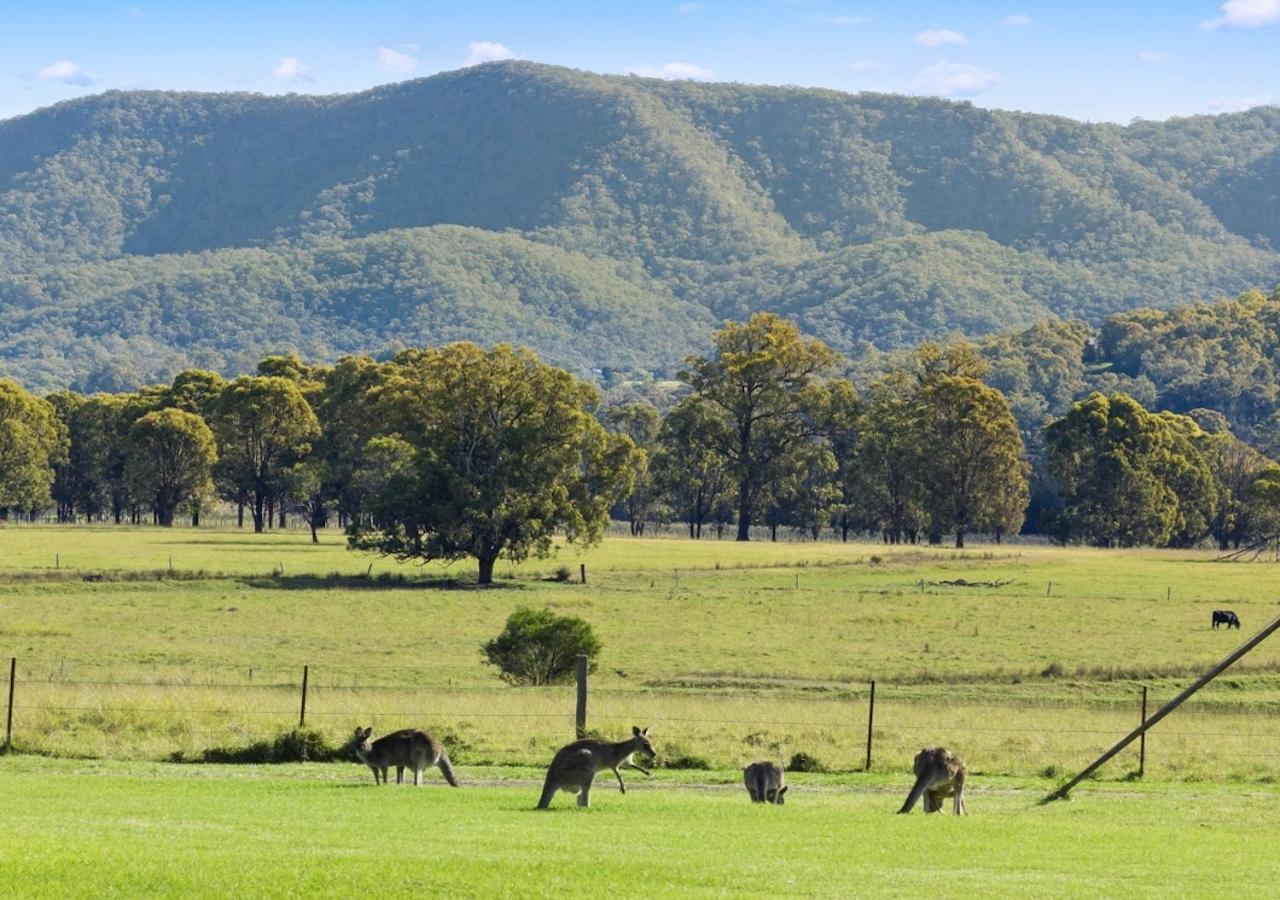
636, 731
784, 789
645, 731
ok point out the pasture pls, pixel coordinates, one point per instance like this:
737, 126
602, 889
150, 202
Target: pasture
728, 650
159, 830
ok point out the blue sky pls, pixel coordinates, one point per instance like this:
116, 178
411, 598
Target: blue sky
1089, 60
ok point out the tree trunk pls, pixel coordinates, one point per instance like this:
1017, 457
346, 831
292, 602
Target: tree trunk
164, 516
259, 506
240, 514
486, 568
314, 538
959, 539
280, 513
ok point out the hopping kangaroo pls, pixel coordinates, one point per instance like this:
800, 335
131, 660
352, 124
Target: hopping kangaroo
939, 774
575, 766
409, 748
765, 782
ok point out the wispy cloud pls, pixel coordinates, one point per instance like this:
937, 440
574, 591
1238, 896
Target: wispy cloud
487, 51
844, 21
1237, 104
1153, 57
936, 37
1017, 20
67, 72
672, 71
1245, 14
686, 8
867, 65
291, 69
947, 79
392, 60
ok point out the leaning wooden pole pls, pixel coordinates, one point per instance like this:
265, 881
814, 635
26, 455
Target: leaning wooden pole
1163, 711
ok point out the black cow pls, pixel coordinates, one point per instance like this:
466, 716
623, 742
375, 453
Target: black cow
1225, 617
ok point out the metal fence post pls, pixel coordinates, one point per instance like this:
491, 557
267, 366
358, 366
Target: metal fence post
1142, 739
871, 718
580, 717
302, 716
8, 722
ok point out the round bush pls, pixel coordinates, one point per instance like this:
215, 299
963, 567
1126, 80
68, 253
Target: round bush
539, 647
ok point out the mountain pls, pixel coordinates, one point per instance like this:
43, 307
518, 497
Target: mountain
605, 221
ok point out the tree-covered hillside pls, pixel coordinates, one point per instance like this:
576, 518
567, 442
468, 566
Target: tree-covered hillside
604, 221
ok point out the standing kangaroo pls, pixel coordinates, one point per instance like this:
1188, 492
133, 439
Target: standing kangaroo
575, 766
765, 782
408, 748
939, 774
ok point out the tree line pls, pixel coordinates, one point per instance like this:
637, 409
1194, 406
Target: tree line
458, 451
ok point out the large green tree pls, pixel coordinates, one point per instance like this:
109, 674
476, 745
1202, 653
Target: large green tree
264, 426
32, 442
171, 457
688, 471
974, 472
763, 381
506, 457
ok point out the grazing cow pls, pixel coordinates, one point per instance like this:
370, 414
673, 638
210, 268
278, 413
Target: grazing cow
1225, 617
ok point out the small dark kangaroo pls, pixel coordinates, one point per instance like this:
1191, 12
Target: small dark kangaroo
765, 782
575, 766
410, 748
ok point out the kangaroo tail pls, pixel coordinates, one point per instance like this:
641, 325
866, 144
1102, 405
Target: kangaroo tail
446, 768
548, 791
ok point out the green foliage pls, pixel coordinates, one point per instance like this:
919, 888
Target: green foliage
539, 647
32, 442
170, 462
505, 457
292, 746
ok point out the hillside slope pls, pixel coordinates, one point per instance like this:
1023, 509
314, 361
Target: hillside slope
605, 221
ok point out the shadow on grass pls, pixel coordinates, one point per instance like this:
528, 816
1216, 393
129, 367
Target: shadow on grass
382, 582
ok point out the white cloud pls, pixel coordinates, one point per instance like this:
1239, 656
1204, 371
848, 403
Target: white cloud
1153, 57
867, 65
390, 60
672, 71
290, 69
1245, 14
686, 8
947, 79
487, 51
1017, 20
67, 72
936, 37
844, 21
1237, 104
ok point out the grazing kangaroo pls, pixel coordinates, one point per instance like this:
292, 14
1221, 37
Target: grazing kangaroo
408, 748
765, 782
1225, 617
575, 766
939, 774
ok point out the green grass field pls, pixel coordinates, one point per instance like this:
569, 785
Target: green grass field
129, 830
136, 646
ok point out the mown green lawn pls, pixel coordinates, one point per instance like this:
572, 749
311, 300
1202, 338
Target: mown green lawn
132, 830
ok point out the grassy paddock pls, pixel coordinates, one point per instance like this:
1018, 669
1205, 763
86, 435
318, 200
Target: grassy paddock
155, 830
729, 650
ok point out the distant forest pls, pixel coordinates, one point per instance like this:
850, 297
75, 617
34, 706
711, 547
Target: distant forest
613, 223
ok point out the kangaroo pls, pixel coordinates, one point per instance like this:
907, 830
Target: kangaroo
408, 748
939, 774
765, 782
575, 766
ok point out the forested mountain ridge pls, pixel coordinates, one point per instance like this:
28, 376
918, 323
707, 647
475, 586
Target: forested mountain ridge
604, 221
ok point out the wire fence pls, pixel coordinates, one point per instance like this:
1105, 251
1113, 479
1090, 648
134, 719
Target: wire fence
76, 709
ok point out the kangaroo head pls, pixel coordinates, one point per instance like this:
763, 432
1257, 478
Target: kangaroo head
360, 741
779, 797
642, 738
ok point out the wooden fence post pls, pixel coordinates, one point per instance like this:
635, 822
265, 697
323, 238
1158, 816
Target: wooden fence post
1142, 740
580, 717
871, 718
1062, 792
582, 572
302, 716
8, 722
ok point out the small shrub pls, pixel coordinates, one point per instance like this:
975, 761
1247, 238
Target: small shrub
803, 762
539, 647
876, 560
686, 761
1053, 770
1053, 670
297, 745
562, 574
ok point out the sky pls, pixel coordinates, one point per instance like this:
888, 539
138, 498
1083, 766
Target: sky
1092, 61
